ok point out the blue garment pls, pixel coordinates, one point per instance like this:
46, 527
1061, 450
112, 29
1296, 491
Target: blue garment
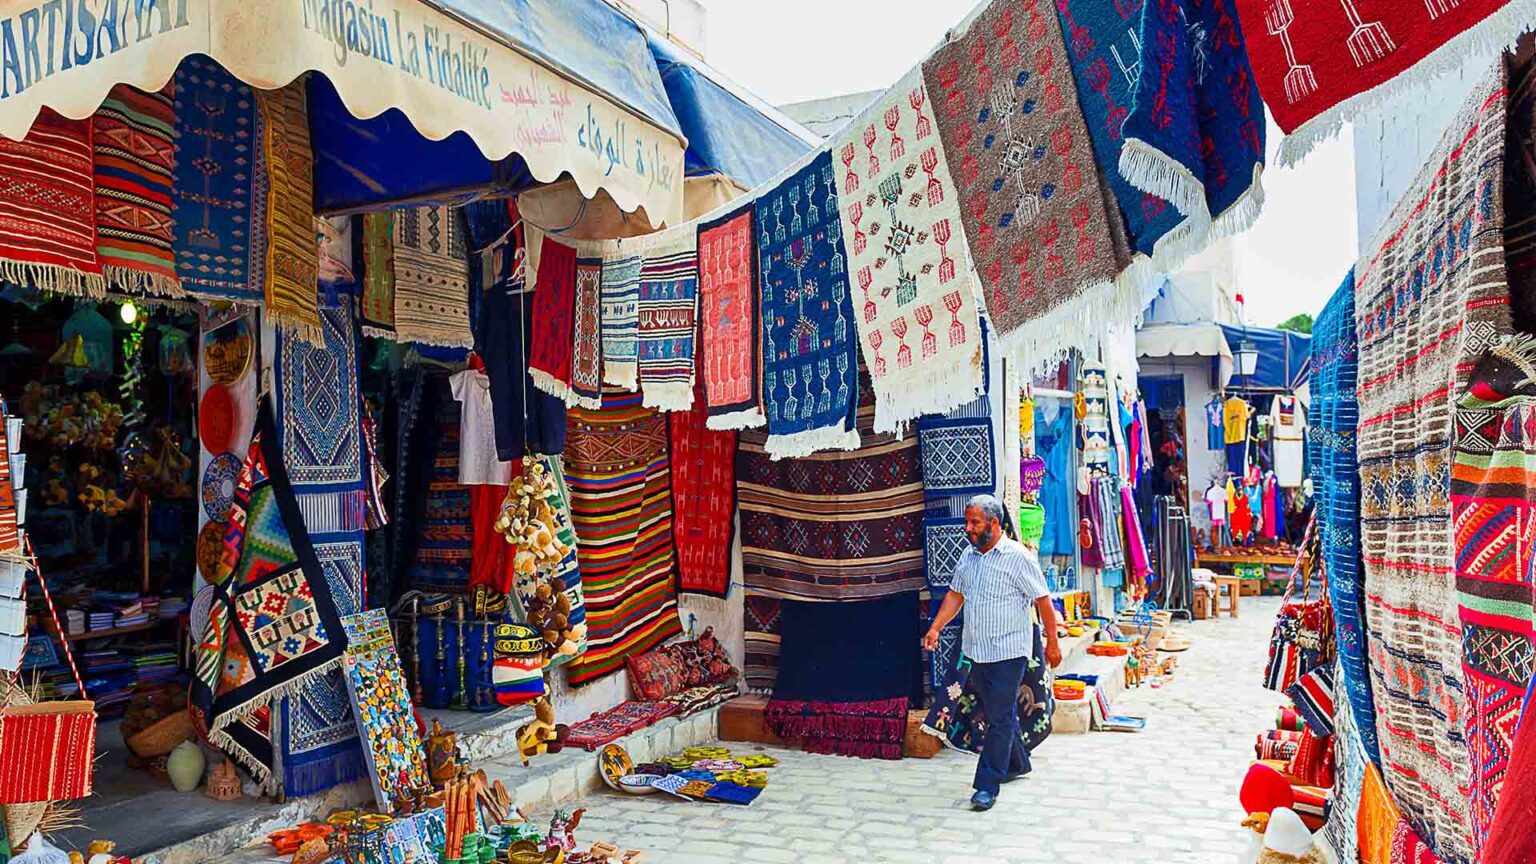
1002, 750
1215, 433
1053, 443
1336, 483
1237, 458
999, 586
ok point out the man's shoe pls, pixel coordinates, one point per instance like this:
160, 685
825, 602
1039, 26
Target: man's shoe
983, 800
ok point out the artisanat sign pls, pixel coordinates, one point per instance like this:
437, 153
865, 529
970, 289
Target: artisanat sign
445, 75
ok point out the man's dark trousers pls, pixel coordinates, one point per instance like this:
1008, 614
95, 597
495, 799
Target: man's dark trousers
1002, 750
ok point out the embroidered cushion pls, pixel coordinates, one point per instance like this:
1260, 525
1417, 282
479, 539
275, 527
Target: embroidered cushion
704, 660
656, 675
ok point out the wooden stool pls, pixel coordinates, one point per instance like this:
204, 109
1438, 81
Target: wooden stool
1233, 591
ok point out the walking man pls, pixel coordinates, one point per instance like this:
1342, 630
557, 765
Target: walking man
995, 582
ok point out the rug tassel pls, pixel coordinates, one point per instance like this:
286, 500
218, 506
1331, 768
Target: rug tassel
50, 277
938, 389
802, 444
130, 281
549, 384
1244, 211
379, 333
749, 419
667, 395
1150, 170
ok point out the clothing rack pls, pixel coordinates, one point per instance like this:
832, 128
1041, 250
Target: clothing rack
1175, 587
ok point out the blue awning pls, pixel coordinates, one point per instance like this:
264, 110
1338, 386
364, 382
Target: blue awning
1284, 358
586, 39
729, 131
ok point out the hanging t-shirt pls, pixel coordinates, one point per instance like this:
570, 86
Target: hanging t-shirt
1216, 500
1287, 419
1235, 414
1215, 433
478, 465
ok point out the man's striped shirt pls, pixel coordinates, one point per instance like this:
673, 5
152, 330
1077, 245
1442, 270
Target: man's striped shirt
999, 588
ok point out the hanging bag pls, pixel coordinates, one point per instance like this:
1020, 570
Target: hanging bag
1302, 639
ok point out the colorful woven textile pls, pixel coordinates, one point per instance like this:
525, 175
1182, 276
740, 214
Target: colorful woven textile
1425, 310
833, 526
1320, 64
621, 317
321, 747
1409, 848
760, 665
1195, 133
320, 416
1342, 829
906, 248
445, 542
1510, 837
1493, 504
810, 352
133, 134
220, 190
47, 751
703, 499
1376, 820
841, 688
337, 273
274, 624
1105, 54
729, 314
959, 720
619, 474
431, 278
615, 723
944, 541
669, 298
1331, 437
1033, 205
382, 703
957, 455
549, 354
48, 208
293, 262
377, 307
10, 540
586, 336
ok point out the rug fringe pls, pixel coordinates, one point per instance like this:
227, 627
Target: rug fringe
667, 395
749, 419
549, 384
1078, 323
130, 280
224, 741
939, 389
227, 745
52, 277
1520, 351
624, 375
801, 444
1498, 32
1150, 170
1244, 211
378, 332
297, 326
590, 403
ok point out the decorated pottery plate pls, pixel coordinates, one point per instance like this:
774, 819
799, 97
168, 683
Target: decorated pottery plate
638, 784
613, 763
210, 554
216, 416
227, 351
219, 486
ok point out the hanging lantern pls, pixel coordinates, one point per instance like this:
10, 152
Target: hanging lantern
71, 354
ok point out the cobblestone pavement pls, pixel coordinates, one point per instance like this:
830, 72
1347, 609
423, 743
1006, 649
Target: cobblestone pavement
1167, 794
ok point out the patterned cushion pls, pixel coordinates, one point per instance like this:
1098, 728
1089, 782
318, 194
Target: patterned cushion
703, 660
655, 675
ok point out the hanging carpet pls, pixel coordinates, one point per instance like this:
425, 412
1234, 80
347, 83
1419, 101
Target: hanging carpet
703, 499
838, 525
549, 358
377, 305
810, 354
1195, 132
431, 277
1321, 64
761, 630
915, 310
845, 674
587, 336
621, 317
958, 718
293, 260
730, 321
445, 542
48, 208
1430, 300
618, 471
1040, 224
1105, 57
274, 624
320, 411
133, 133
668, 323
1331, 439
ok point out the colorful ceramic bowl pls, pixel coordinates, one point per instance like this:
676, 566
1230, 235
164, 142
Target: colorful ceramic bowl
638, 784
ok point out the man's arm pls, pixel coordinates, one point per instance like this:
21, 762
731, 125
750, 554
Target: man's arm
1047, 614
953, 602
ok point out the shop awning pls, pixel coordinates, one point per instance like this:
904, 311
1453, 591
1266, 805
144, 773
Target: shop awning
569, 87
729, 131
1284, 358
1181, 340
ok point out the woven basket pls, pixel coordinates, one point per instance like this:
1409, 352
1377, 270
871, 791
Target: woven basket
162, 737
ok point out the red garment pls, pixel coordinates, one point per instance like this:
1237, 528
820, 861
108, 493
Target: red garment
703, 498
1241, 517
490, 554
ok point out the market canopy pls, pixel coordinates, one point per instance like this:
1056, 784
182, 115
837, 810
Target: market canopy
570, 87
1285, 358
729, 131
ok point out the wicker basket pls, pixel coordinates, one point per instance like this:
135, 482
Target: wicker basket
163, 736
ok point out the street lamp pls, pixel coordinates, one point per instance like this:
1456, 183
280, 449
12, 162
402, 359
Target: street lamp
1247, 358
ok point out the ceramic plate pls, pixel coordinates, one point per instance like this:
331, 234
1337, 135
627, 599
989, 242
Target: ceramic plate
613, 762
